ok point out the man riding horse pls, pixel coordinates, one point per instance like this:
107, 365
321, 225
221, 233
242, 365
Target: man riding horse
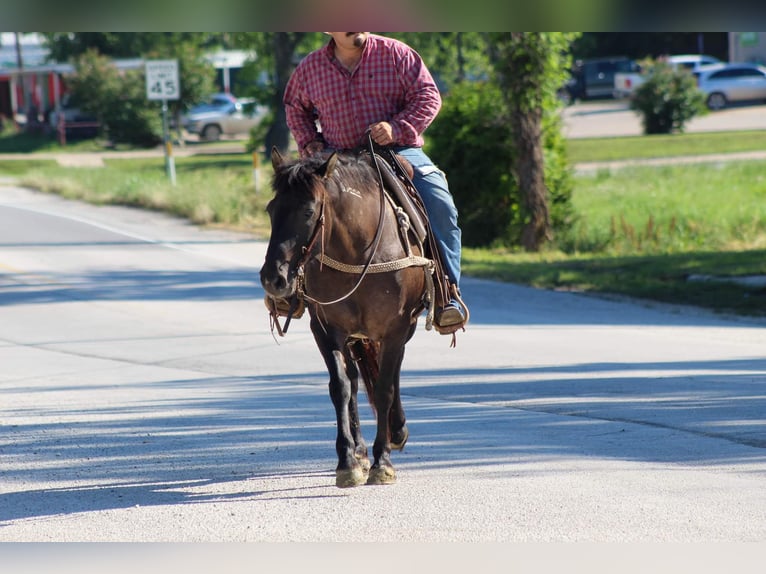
362, 83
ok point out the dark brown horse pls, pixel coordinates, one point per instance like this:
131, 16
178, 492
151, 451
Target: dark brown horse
341, 246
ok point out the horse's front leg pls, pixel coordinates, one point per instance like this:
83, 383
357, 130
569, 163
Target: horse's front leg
386, 396
349, 471
360, 450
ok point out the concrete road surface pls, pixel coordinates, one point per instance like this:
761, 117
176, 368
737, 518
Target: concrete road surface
143, 398
614, 118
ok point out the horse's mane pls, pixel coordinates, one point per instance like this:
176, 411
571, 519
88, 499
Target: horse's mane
301, 174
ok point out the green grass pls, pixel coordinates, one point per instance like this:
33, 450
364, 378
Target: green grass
12, 141
670, 209
212, 190
620, 148
669, 278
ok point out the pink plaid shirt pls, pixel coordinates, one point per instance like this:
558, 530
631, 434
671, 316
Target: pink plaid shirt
391, 83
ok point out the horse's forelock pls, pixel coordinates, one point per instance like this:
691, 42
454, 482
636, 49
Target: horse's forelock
297, 177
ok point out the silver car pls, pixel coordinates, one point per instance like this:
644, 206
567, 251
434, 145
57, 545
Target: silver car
723, 84
235, 117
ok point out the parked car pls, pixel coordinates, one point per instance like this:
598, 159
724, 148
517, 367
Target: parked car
625, 83
75, 123
594, 78
723, 84
223, 115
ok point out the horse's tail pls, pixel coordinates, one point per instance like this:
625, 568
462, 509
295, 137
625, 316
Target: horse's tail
366, 354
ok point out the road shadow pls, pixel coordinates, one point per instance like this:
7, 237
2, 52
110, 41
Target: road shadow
213, 285
234, 430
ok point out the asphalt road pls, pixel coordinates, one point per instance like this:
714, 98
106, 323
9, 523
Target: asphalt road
143, 398
614, 118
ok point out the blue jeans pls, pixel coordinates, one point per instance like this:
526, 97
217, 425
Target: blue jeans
431, 183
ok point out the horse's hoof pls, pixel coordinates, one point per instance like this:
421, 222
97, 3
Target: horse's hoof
382, 475
364, 462
350, 477
399, 439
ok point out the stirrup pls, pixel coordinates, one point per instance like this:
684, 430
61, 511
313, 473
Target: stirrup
462, 309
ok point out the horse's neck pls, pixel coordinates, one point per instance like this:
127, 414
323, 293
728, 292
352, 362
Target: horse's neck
352, 219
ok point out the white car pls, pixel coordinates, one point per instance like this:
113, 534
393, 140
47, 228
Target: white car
625, 83
723, 84
224, 116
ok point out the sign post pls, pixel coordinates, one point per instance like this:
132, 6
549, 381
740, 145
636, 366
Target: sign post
162, 83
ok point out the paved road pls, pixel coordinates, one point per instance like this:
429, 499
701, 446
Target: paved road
614, 118
143, 398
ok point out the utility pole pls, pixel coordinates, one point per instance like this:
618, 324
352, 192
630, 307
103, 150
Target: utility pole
20, 66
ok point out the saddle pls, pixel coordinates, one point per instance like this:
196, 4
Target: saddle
396, 174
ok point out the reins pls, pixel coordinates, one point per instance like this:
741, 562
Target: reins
375, 244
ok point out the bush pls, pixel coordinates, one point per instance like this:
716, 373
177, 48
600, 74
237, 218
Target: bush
117, 99
472, 142
667, 99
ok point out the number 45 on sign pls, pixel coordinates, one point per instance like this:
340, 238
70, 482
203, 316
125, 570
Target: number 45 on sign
162, 80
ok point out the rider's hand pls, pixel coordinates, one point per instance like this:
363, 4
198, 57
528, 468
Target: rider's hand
382, 133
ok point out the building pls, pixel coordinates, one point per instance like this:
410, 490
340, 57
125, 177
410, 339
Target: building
747, 47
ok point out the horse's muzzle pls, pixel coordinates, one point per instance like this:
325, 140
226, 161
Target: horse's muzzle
276, 281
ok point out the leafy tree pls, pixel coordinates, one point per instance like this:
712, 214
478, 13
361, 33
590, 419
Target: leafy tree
530, 67
197, 76
277, 55
452, 57
117, 99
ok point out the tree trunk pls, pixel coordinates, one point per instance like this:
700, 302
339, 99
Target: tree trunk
284, 49
530, 173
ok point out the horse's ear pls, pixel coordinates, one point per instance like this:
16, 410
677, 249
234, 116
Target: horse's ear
326, 169
276, 158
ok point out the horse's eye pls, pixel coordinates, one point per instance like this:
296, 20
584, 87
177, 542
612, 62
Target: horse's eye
309, 213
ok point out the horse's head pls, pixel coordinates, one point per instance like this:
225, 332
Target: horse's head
295, 213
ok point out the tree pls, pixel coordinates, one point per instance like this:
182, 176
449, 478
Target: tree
277, 55
197, 76
452, 57
530, 67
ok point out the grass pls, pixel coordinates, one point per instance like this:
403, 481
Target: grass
640, 232
670, 209
620, 148
214, 190
666, 277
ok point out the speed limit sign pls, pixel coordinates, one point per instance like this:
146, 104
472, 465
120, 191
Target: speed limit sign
162, 80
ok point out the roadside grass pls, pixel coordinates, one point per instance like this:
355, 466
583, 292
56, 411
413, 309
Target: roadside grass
678, 278
640, 231
215, 190
12, 141
642, 210
622, 148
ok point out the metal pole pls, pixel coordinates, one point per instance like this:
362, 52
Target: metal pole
170, 166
